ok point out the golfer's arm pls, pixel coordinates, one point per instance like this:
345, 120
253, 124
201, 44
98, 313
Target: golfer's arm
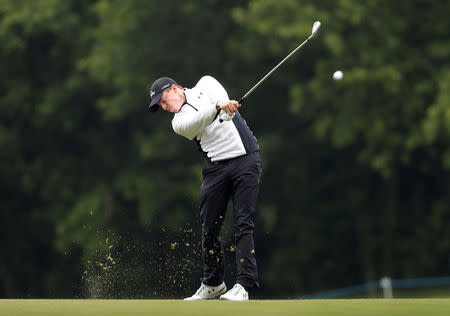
190, 124
213, 89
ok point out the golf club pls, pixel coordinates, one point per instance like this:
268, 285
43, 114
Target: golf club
224, 116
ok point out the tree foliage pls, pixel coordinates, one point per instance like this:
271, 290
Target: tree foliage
100, 198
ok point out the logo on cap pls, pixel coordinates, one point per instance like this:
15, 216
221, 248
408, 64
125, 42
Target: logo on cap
152, 93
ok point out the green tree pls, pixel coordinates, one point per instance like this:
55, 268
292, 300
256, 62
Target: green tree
100, 199
376, 171
40, 145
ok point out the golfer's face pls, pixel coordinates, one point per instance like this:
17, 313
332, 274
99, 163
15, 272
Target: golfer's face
171, 100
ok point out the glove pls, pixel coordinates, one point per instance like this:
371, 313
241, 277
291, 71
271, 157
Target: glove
224, 116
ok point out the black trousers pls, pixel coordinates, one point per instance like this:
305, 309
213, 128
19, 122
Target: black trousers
236, 179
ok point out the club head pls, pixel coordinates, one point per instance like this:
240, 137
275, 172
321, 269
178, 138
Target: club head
316, 26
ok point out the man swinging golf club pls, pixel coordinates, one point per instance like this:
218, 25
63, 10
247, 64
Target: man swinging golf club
232, 170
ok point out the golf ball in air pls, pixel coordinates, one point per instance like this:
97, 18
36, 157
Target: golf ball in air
338, 75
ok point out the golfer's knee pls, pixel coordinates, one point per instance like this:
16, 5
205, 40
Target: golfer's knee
243, 228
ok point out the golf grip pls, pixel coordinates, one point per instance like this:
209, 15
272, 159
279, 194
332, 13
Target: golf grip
240, 102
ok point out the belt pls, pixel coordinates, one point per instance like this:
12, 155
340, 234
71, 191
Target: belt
224, 161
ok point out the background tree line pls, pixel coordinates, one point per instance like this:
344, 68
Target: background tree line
100, 199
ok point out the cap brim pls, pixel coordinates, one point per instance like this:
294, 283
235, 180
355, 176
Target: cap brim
153, 107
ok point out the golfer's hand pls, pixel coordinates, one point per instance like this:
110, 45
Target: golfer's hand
230, 106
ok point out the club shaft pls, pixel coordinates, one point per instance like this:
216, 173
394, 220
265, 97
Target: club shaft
275, 68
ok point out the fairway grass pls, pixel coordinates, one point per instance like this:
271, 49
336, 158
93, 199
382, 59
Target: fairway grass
341, 307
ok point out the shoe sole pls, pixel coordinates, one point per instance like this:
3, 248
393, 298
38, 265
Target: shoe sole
227, 299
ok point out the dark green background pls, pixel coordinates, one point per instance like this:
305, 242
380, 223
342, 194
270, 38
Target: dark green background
99, 198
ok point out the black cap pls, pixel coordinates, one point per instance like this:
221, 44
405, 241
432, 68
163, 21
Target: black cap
156, 91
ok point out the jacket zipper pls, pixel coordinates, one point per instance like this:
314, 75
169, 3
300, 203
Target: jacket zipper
192, 106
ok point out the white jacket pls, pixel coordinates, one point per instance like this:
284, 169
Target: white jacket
198, 120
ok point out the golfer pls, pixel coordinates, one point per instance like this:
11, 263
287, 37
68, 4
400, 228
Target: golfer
232, 171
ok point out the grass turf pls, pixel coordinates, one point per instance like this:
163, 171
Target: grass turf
341, 307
